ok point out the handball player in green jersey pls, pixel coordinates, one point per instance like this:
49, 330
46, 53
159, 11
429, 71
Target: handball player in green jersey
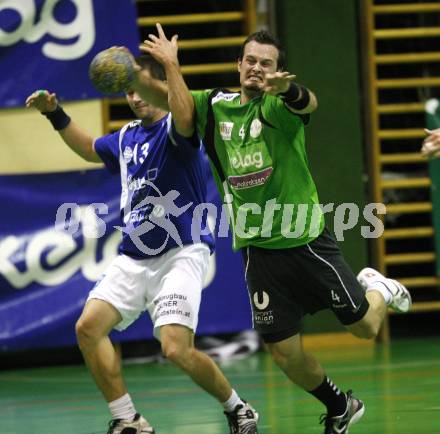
255, 140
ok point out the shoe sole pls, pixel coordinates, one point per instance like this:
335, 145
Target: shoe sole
356, 417
408, 297
257, 417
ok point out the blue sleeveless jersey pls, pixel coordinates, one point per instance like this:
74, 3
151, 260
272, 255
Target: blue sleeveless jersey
163, 180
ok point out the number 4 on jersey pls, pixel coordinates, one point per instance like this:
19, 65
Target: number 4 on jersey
241, 132
335, 297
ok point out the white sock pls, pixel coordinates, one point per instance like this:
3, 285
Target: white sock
232, 402
122, 408
382, 288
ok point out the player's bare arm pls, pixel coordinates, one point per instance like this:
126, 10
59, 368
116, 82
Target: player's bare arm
298, 98
151, 90
431, 144
180, 101
77, 139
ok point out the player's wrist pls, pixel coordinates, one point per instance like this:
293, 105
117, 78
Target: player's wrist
58, 118
47, 110
292, 93
171, 64
296, 97
285, 89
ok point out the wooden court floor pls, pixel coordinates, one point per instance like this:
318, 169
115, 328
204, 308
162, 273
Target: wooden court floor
400, 385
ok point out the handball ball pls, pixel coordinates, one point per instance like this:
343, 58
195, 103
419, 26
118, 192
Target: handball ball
111, 70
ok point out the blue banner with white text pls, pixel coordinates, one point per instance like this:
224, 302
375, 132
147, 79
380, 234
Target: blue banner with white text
48, 44
46, 273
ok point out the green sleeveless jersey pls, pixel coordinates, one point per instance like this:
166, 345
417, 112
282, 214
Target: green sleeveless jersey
257, 155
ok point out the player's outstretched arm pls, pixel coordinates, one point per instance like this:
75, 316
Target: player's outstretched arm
78, 140
431, 144
180, 101
297, 98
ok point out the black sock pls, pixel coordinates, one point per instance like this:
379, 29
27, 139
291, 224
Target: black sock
330, 395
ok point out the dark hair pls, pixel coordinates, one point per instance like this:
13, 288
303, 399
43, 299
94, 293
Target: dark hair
264, 37
146, 61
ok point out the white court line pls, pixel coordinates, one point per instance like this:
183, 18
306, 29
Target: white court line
242, 374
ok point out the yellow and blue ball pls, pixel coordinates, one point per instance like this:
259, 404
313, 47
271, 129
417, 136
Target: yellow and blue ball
111, 71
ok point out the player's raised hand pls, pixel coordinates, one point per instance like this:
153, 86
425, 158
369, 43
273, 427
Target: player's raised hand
164, 50
431, 144
277, 82
42, 100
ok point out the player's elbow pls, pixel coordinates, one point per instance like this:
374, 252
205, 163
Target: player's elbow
92, 157
312, 105
185, 127
313, 101
310, 100
184, 122
89, 154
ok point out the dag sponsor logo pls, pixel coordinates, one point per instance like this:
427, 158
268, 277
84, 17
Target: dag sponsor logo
247, 160
58, 247
72, 40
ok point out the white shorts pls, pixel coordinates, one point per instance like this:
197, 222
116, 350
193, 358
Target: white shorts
169, 287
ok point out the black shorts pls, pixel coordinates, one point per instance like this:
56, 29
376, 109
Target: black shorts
285, 284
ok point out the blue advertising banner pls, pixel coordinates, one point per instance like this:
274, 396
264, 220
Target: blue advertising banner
46, 273
48, 44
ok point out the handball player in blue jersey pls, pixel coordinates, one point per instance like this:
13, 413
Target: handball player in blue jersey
162, 260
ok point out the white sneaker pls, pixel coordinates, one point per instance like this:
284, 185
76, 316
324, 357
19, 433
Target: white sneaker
370, 279
243, 420
138, 425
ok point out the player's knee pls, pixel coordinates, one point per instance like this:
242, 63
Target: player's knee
364, 330
282, 355
170, 351
85, 332
277, 356
176, 352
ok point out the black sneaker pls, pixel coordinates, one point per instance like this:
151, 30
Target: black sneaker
339, 424
138, 425
243, 420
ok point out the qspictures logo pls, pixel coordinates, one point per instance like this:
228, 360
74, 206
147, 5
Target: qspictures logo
158, 212
150, 213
